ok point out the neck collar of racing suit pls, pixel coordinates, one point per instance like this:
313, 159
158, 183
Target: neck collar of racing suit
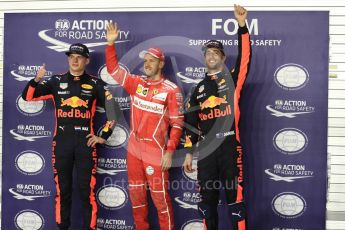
75, 77
217, 75
155, 82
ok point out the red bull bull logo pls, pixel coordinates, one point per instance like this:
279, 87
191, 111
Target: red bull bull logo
108, 125
74, 102
212, 102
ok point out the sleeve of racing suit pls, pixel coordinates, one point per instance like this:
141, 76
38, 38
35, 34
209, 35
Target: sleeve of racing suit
127, 80
175, 108
36, 91
111, 107
241, 71
191, 131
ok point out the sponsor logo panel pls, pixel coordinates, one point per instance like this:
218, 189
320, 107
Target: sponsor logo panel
111, 166
112, 197
289, 205
289, 172
30, 132
29, 192
290, 141
30, 162
107, 78
291, 76
118, 138
92, 32
193, 225
29, 220
107, 223
192, 74
189, 200
290, 108
193, 175
25, 72
29, 108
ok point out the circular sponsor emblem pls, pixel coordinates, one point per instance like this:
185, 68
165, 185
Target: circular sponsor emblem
291, 76
118, 138
150, 170
30, 162
193, 175
29, 220
112, 197
29, 108
289, 205
105, 76
290, 141
193, 225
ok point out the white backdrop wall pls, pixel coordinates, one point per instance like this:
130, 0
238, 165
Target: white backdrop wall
336, 110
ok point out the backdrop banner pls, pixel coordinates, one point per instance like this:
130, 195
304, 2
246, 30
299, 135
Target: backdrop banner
283, 113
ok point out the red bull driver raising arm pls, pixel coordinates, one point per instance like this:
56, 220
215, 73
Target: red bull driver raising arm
211, 120
156, 105
75, 95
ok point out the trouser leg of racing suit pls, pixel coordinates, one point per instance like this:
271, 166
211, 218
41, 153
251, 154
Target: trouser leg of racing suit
137, 191
221, 167
158, 183
86, 163
230, 163
146, 169
69, 148
63, 159
208, 177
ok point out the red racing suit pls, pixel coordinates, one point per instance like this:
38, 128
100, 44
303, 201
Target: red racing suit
156, 106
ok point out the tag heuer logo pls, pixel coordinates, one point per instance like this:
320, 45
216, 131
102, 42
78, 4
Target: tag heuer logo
63, 85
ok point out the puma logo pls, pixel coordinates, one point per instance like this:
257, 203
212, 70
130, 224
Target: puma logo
237, 214
62, 127
203, 211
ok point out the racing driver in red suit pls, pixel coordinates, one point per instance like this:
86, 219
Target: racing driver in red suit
156, 107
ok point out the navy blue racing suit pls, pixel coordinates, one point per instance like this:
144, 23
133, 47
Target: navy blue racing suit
75, 99
211, 122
